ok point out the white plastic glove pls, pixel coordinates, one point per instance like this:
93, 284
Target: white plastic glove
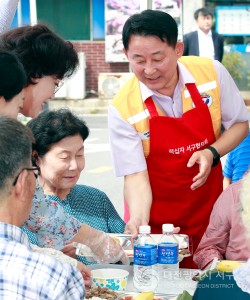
104, 248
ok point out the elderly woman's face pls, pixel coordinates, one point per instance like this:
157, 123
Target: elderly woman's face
62, 164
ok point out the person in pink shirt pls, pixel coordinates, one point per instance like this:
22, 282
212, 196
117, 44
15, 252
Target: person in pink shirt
225, 236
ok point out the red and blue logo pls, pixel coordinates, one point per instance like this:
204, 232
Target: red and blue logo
207, 99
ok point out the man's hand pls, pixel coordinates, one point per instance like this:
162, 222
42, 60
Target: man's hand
133, 225
205, 159
86, 273
177, 229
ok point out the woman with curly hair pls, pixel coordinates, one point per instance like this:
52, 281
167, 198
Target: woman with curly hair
46, 58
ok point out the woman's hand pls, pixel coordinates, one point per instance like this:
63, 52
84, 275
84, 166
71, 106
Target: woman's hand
69, 250
104, 248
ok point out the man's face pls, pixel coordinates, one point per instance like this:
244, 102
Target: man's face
204, 23
154, 62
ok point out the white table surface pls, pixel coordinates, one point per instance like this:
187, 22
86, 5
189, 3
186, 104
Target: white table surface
184, 282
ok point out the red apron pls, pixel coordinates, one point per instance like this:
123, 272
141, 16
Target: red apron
172, 142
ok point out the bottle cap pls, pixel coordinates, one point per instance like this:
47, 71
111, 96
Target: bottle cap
167, 227
144, 229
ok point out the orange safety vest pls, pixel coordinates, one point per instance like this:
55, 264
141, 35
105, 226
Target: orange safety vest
131, 107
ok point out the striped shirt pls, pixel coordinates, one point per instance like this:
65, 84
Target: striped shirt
25, 274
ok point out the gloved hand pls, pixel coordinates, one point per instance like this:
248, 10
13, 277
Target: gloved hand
104, 248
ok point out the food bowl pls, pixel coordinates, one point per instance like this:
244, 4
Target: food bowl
114, 279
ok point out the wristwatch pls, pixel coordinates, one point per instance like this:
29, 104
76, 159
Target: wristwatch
216, 155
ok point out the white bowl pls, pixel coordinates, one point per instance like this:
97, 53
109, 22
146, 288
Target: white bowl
114, 279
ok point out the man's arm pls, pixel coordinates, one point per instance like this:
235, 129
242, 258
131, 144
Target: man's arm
138, 195
129, 162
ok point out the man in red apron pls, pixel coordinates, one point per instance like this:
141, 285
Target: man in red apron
181, 205
162, 130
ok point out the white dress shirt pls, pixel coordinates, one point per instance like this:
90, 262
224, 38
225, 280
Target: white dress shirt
126, 147
206, 45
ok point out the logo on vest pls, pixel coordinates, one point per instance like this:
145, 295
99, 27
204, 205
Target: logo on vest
207, 99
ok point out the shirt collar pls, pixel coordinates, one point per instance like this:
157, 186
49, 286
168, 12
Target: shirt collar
184, 77
200, 32
13, 233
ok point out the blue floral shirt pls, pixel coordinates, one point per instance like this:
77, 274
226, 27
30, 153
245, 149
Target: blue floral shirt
53, 222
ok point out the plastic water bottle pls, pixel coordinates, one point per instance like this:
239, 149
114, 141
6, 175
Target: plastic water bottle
168, 258
145, 261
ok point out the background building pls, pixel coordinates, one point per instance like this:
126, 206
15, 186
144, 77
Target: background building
94, 27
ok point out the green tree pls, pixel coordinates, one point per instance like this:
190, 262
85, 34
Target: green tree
234, 64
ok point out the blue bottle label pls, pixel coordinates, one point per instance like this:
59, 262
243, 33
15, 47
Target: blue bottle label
168, 253
145, 255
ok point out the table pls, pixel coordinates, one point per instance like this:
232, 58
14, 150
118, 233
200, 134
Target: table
183, 282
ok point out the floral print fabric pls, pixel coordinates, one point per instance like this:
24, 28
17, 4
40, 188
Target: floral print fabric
49, 221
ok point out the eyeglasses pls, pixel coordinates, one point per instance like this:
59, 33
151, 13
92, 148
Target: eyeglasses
58, 86
36, 171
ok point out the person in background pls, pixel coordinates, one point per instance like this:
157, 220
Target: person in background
25, 274
46, 58
7, 12
225, 236
62, 210
235, 284
165, 137
237, 162
12, 82
242, 273
204, 42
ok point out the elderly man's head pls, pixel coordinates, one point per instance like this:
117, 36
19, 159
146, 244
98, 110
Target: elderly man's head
17, 181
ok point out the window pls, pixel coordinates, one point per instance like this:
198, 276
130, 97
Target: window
70, 19
98, 23
22, 17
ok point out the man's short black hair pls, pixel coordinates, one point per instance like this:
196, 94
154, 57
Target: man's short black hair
203, 11
151, 23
